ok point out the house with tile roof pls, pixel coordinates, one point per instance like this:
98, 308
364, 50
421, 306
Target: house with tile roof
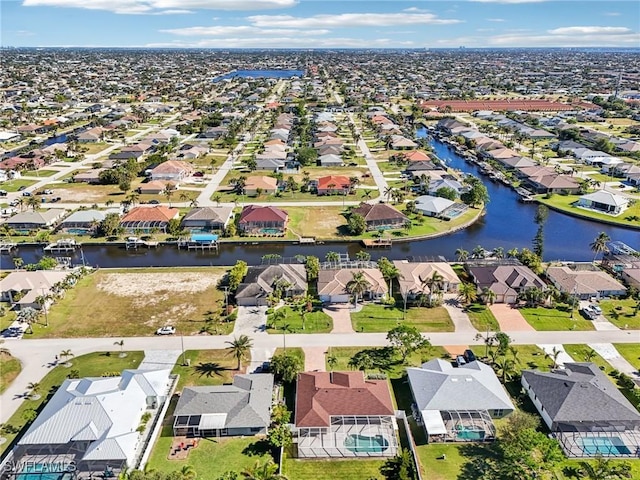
207, 219
332, 284
505, 281
257, 220
343, 414
242, 408
334, 185
22, 288
584, 281
415, 278
266, 185
457, 404
145, 219
172, 170
381, 215
584, 410
93, 422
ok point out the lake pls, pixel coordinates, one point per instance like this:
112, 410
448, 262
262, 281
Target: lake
260, 74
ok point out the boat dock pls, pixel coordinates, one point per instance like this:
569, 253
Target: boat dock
376, 242
7, 247
199, 241
62, 245
133, 243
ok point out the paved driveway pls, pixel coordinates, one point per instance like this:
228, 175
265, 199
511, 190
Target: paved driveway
459, 318
617, 361
510, 319
314, 359
250, 320
341, 315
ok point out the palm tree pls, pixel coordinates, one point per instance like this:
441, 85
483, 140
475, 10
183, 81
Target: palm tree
18, 262
239, 348
168, 192
553, 356
468, 293
498, 252
512, 253
434, 282
478, 252
599, 245
332, 361
121, 345
34, 388
488, 295
216, 198
187, 472
390, 274
66, 354
462, 255
589, 354
604, 469
265, 471
506, 368
357, 285
33, 203
132, 198
332, 257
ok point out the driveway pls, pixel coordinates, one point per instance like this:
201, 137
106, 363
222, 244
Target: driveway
258, 357
250, 320
617, 361
314, 359
459, 318
563, 356
341, 315
510, 319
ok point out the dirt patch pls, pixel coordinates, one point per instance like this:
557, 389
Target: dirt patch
148, 284
69, 195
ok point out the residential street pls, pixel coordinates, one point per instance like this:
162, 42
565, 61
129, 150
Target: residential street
37, 356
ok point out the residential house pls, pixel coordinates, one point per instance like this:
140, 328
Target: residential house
85, 220
93, 423
146, 219
334, 185
398, 142
458, 404
342, 414
22, 288
381, 216
454, 185
415, 278
604, 201
269, 164
416, 156
35, 220
584, 411
88, 176
332, 284
584, 281
330, 160
505, 281
262, 183
91, 135
207, 219
262, 281
242, 408
155, 187
262, 220
172, 170
432, 206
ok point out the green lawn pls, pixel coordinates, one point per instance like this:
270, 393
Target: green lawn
375, 317
334, 469
631, 352
555, 319
11, 367
621, 313
40, 173
313, 322
207, 367
481, 318
564, 203
14, 185
91, 365
447, 469
584, 353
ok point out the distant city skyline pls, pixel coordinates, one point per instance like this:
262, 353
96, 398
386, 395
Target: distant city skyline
319, 24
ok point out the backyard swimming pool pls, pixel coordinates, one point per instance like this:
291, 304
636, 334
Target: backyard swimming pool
365, 444
603, 446
469, 432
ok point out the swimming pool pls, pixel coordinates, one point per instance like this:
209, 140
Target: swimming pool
46, 471
469, 432
365, 444
603, 446
271, 231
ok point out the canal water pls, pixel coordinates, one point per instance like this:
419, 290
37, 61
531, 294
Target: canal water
507, 223
260, 74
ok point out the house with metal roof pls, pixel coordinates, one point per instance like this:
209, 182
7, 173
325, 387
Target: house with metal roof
243, 408
603, 201
584, 410
94, 422
458, 404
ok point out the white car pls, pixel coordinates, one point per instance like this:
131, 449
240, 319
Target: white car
167, 330
596, 309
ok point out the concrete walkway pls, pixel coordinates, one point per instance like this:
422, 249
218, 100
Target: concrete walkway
341, 316
617, 361
459, 318
510, 319
563, 356
314, 359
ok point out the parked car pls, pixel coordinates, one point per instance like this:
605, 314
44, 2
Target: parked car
154, 202
588, 313
26, 194
469, 356
22, 187
596, 308
460, 361
47, 192
166, 330
3, 193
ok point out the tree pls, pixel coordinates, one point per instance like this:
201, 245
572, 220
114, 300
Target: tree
477, 193
121, 345
236, 274
400, 467
312, 267
168, 192
332, 361
356, 224
286, 366
18, 262
362, 360
604, 469
265, 471
435, 285
357, 286
239, 348
406, 340
462, 255
468, 293
505, 368
553, 356
187, 472
542, 213
599, 245
109, 226
389, 272
66, 354
363, 256
488, 296
34, 390
447, 192
332, 257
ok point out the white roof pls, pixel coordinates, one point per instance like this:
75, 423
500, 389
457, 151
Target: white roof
607, 198
427, 203
433, 423
210, 421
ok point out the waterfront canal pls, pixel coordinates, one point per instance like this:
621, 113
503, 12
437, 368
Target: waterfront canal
507, 223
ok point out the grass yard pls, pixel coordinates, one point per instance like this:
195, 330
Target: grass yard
14, 185
311, 322
207, 367
564, 203
91, 365
631, 352
321, 222
481, 318
324, 469
39, 173
584, 353
448, 469
375, 317
133, 302
11, 367
554, 319
621, 313
93, 148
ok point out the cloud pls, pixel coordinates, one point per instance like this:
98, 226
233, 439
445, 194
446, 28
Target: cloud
415, 10
24, 33
285, 42
350, 20
496, 20
612, 14
167, 7
239, 30
588, 30
173, 12
576, 36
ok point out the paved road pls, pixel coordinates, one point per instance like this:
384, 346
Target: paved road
376, 173
37, 356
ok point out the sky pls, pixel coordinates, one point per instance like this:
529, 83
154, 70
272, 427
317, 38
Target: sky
319, 23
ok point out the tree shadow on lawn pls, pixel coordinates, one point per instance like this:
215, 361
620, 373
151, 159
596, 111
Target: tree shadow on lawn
209, 369
257, 449
478, 457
